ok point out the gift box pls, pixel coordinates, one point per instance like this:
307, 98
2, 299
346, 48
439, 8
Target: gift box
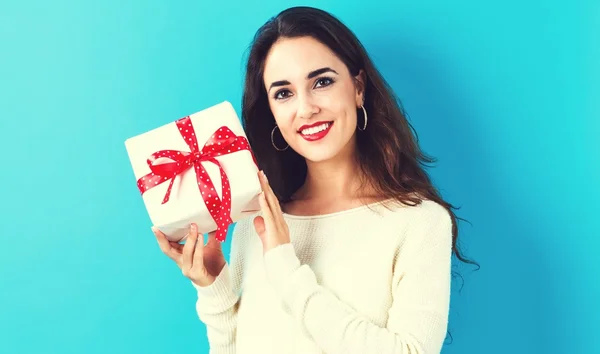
200, 169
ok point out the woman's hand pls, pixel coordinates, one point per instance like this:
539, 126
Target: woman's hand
198, 262
271, 227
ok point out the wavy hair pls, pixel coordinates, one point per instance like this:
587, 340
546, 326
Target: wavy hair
387, 151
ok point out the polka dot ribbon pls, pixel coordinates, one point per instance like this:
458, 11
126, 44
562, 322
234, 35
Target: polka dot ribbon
222, 142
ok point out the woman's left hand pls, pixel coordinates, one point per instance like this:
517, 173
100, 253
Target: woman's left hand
270, 227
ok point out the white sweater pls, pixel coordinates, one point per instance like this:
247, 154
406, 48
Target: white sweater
365, 280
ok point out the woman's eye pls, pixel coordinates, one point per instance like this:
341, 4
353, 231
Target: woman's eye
324, 81
321, 82
279, 95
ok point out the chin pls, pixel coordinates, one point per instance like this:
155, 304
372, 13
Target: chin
318, 156
320, 152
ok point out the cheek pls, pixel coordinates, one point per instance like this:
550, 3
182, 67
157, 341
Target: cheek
351, 109
284, 118
343, 101
346, 111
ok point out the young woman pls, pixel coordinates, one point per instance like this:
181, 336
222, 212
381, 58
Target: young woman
351, 252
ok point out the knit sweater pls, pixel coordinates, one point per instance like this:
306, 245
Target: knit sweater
366, 280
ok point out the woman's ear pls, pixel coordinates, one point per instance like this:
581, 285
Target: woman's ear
360, 83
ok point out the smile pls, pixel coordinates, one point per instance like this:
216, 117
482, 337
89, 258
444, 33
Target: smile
315, 131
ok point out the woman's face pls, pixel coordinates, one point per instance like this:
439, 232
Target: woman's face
313, 98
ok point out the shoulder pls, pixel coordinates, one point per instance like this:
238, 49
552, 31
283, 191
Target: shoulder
430, 213
425, 236
245, 224
427, 212
421, 224
242, 229
430, 226
243, 236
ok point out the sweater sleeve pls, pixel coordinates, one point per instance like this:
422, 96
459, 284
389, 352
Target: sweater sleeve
217, 303
417, 319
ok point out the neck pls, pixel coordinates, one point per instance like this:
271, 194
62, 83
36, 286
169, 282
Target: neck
338, 178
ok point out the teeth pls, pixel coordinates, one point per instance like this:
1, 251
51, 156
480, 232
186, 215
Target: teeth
314, 130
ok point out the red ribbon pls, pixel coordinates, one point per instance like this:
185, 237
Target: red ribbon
222, 142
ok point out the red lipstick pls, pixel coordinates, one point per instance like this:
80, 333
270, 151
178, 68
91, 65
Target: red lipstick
315, 131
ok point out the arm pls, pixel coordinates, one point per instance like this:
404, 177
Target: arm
417, 320
217, 303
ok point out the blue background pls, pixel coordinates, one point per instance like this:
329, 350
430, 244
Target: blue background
505, 93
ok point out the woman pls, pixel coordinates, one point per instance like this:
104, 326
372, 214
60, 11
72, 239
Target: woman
351, 252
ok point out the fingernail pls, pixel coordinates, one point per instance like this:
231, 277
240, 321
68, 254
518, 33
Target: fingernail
193, 227
265, 175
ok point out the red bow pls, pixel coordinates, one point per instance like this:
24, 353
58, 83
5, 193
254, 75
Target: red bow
222, 142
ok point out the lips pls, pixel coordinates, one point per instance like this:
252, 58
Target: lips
316, 131
308, 129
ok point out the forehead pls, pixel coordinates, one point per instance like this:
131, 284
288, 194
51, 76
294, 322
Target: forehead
292, 58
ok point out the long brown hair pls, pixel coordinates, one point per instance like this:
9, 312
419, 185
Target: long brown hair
388, 153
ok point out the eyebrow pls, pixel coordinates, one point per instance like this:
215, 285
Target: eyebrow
309, 76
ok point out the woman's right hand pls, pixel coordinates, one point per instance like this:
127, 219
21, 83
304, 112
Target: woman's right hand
198, 262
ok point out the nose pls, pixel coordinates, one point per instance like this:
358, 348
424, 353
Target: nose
306, 107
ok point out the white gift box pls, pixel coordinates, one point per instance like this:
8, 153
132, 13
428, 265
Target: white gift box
186, 204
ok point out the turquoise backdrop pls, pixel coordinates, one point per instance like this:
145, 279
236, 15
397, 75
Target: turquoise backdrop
504, 93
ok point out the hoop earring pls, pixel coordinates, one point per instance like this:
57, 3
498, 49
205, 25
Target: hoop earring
273, 140
365, 114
